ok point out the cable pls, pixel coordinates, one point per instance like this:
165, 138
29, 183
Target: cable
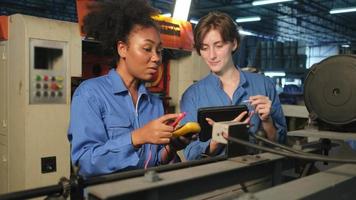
280, 145
149, 158
288, 154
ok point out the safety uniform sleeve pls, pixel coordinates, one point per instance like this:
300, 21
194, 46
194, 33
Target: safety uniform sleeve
196, 148
92, 148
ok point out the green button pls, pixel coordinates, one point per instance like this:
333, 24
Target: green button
38, 78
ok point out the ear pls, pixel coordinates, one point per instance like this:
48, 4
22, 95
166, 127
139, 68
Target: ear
235, 45
122, 49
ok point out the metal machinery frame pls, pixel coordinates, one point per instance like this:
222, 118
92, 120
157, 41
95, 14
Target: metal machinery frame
195, 181
335, 183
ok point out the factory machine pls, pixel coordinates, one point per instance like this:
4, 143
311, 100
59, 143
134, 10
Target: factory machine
255, 176
329, 96
37, 59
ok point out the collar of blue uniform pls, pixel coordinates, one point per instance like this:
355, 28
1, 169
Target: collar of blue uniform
118, 85
217, 82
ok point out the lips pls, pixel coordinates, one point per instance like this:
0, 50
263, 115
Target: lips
152, 70
214, 63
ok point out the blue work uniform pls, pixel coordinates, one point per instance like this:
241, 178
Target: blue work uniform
209, 92
103, 117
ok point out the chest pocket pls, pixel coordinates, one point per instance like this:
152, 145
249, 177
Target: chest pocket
117, 126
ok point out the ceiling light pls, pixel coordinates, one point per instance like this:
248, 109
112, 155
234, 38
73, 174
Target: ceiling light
342, 10
345, 46
263, 2
273, 74
181, 9
167, 14
242, 32
248, 19
193, 21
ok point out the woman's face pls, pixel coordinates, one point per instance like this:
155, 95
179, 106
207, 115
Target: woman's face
217, 53
142, 53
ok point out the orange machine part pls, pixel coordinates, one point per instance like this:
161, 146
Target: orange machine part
4, 27
82, 11
175, 34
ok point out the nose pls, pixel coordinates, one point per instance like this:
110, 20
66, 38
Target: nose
212, 53
156, 57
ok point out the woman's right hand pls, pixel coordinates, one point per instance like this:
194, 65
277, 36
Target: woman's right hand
155, 132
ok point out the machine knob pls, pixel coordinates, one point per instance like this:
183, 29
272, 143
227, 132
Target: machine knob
45, 94
38, 85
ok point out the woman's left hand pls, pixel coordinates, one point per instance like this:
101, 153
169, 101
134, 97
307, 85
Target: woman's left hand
262, 105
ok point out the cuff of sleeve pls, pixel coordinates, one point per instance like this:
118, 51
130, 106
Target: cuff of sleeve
204, 146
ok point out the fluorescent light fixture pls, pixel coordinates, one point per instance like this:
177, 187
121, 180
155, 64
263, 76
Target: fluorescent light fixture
167, 14
194, 21
248, 19
345, 45
181, 9
242, 32
272, 74
342, 10
263, 2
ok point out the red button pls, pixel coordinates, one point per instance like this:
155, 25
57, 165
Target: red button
54, 86
45, 78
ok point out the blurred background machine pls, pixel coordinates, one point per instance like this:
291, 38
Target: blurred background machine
36, 66
330, 99
330, 93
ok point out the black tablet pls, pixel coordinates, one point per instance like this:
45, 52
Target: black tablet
218, 114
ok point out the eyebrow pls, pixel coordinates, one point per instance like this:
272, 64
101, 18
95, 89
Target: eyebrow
153, 42
222, 42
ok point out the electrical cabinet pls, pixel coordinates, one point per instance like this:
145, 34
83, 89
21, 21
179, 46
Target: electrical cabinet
37, 62
3, 119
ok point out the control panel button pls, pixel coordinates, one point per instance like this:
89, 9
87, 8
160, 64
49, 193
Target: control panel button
53, 78
45, 94
60, 93
60, 86
38, 78
38, 85
45, 86
59, 78
45, 78
53, 94
54, 86
38, 94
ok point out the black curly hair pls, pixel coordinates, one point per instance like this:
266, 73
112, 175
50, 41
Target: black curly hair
110, 21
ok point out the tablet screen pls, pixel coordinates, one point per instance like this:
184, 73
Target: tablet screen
218, 114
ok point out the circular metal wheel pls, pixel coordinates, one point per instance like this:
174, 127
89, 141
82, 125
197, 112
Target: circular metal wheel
330, 90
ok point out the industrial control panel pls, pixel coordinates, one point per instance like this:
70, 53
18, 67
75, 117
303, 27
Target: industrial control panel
48, 64
37, 62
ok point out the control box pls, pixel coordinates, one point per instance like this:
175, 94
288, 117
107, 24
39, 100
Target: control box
37, 62
48, 68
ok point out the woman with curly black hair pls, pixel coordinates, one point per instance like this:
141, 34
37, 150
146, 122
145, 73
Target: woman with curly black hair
116, 123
